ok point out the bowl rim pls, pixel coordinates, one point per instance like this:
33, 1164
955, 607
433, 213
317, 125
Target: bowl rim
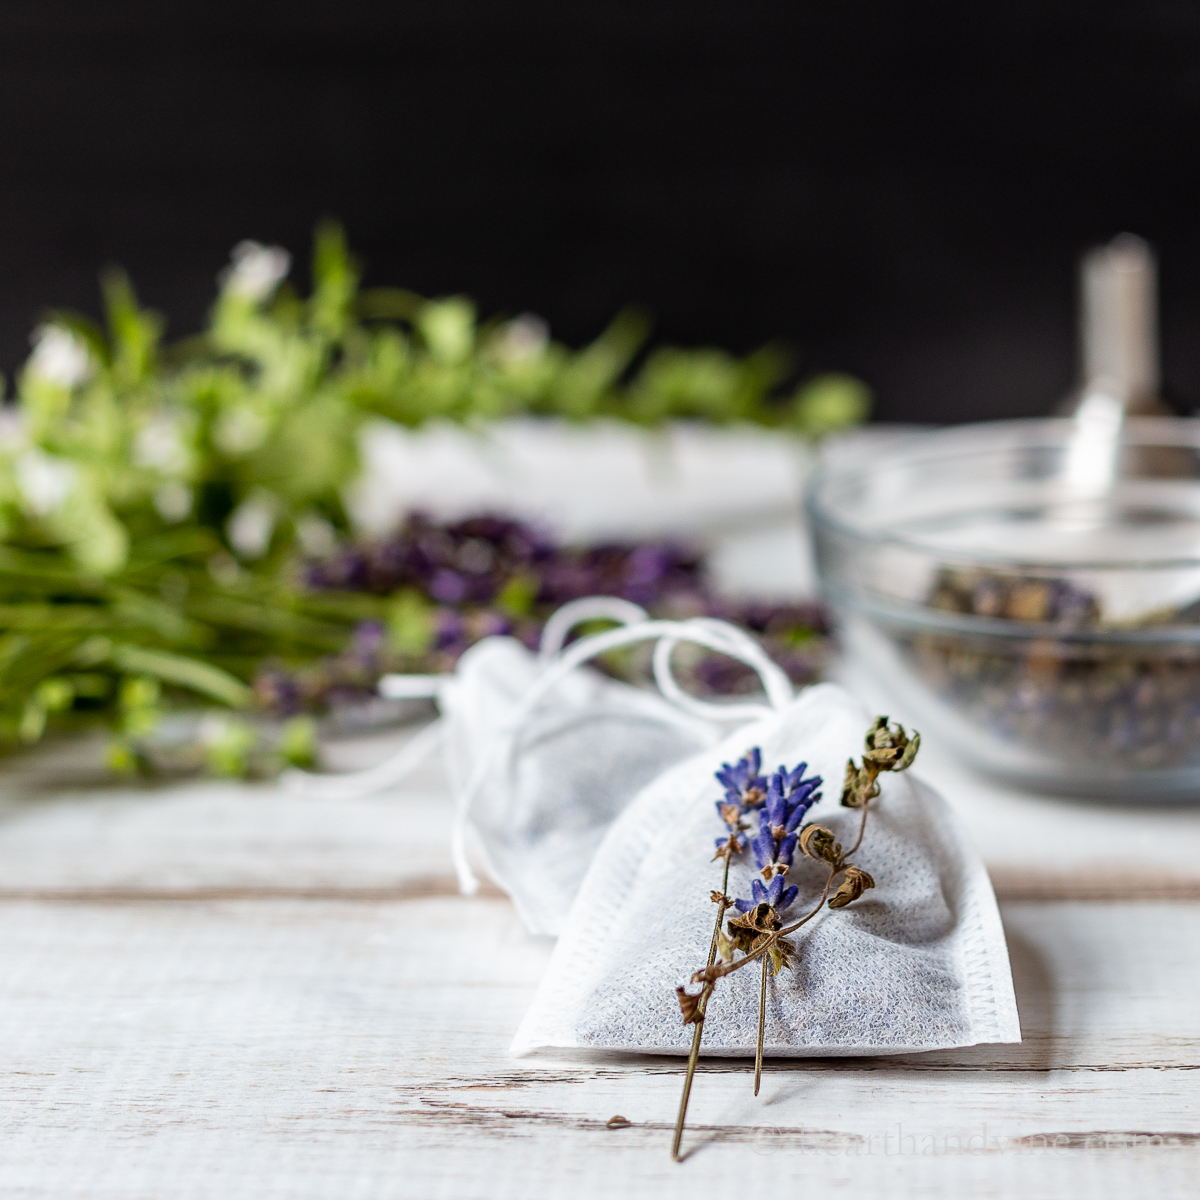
930, 445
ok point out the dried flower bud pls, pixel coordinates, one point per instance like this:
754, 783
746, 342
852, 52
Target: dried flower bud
818, 842
741, 936
860, 786
725, 947
732, 816
728, 846
854, 883
747, 930
689, 1006
781, 955
910, 752
889, 747
720, 898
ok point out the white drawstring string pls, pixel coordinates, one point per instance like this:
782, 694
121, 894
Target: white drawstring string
718, 636
774, 680
355, 784
590, 608
413, 687
635, 626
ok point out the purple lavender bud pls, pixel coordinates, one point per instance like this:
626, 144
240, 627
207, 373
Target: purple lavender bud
763, 845
368, 641
775, 806
801, 801
490, 623
786, 850
450, 629
447, 587
742, 776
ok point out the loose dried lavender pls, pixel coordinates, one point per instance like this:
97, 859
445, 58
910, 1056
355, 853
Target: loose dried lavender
438, 588
758, 932
1090, 701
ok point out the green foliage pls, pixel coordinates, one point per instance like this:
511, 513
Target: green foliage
298, 743
153, 495
410, 623
229, 744
829, 403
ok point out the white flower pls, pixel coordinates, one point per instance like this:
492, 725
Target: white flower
13, 431
159, 445
251, 524
522, 338
60, 356
44, 481
173, 501
255, 270
240, 430
317, 537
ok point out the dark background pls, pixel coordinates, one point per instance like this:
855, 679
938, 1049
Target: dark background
898, 190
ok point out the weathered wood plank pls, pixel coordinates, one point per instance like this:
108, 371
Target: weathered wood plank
202, 835
327, 1049
205, 838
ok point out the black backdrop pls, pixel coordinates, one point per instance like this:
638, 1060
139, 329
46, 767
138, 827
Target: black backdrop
900, 190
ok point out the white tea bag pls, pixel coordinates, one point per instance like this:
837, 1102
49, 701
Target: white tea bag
543, 752
580, 757
919, 962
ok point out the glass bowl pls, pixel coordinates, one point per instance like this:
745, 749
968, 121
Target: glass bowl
1029, 594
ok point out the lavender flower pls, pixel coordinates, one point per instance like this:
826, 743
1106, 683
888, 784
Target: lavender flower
745, 789
774, 894
743, 784
789, 797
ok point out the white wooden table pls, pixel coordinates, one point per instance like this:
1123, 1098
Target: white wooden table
225, 991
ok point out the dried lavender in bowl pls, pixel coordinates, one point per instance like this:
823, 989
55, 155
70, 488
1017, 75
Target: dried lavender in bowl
1073, 689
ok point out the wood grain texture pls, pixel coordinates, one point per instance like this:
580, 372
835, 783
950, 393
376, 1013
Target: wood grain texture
320, 1049
60, 833
204, 838
225, 991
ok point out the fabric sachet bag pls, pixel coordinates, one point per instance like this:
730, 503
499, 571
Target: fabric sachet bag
543, 753
918, 962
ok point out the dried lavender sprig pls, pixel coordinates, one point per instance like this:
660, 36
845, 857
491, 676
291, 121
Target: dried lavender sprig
789, 797
758, 931
744, 789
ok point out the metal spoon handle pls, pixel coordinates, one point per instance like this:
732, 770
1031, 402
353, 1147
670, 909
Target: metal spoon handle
1119, 323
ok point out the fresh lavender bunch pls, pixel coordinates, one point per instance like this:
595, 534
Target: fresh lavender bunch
476, 561
758, 931
434, 589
